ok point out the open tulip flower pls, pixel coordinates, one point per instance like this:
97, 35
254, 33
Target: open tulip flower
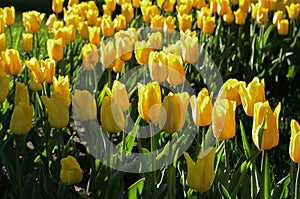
21, 119
295, 141
84, 105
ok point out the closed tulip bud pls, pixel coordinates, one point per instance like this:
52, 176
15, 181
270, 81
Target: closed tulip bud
9, 13
283, 27
34, 84
21, 94
175, 70
92, 16
254, 9
107, 26
240, 16
36, 69
2, 42
106, 10
21, 119
61, 86
262, 15
190, 50
154, 40
120, 22
58, 110
265, 133
205, 12
57, 6
173, 112
202, 108
70, 172
184, 22
169, 24
13, 64
223, 6
112, 118
228, 17
32, 21
278, 16
127, 11
50, 22
294, 148
149, 12
255, 92
223, 119
124, 48
200, 175
94, 35
157, 23
244, 5
89, 56
2, 24
48, 66
107, 54
4, 83
119, 95
83, 30
84, 105
142, 51
119, 64
149, 102
293, 10
27, 42
213, 6
2, 63
230, 90
111, 4
55, 49
158, 66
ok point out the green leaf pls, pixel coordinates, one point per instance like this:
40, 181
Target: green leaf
164, 152
135, 190
281, 189
245, 141
266, 34
265, 185
223, 191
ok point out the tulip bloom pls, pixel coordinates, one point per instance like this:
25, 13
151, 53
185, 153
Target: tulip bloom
9, 13
176, 73
127, 11
293, 10
119, 95
157, 22
34, 84
204, 12
228, 17
27, 42
255, 92
202, 108
119, 22
32, 21
230, 90
173, 112
149, 102
48, 66
208, 25
61, 86
154, 40
119, 64
2, 42
149, 12
83, 30
84, 105
55, 49
294, 148
112, 118
107, 26
94, 35
50, 22
262, 15
21, 94
240, 16
89, 56
34, 66
223, 119
70, 172
277, 17
4, 83
2, 24
184, 22
190, 49
107, 54
21, 119
111, 4
283, 27
265, 133
158, 66
142, 52
58, 110
124, 48
12, 62
92, 16
201, 174
169, 24
57, 5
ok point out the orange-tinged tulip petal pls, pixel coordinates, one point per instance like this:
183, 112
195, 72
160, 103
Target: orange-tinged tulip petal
4, 83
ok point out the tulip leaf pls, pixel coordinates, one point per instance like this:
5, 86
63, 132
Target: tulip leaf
281, 189
164, 152
29, 189
161, 192
135, 190
266, 34
245, 141
223, 191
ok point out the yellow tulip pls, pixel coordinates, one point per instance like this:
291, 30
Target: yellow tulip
48, 66
262, 15
255, 92
84, 105
89, 56
119, 95
208, 25
124, 48
9, 13
277, 17
265, 133
228, 17
83, 30
204, 12
119, 22
173, 112
230, 90
149, 12
2, 24
34, 66
283, 27
199, 4
127, 11
34, 84
72, 2
94, 35
107, 54
202, 108
21, 119
223, 119
293, 10
107, 26
112, 118
119, 64
184, 22
190, 49
70, 172
2, 42
55, 49
27, 42
92, 16
136, 3
111, 4
158, 66
166, 5
71, 19
2, 63
154, 40
32, 21
4, 83
169, 24
50, 22
21, 94
175, 70
58, 110
294, 148
244, 5
61, 86
213, 6
157, 23
57, 6
200, 175
13, 64
142, 51
223, 6
149, 102
240, 16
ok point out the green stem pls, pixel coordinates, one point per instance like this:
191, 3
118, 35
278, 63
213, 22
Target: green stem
62, 143
153, 149
203, 138
11, 37
18, 169
109, 78
227, 165
171, 175
296, 183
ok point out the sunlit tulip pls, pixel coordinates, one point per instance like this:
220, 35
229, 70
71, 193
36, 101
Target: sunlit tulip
136, 3
166, 5
2, 42
9, 13
58, 110
133, 34
91, 17
158, 66
107, 26
119, 95
111, 4
228, 17
61, 86
173, 112
119, 22
106, 9
255, 92
254, 10
278, 16
71, 19
32, 21
230, 90
199, 4
265, 133
89, 56
223, 6
107, 54
157, 23
294, 148
34, 66
175, 48
119, 64
4, 83
127, 11
293, 10
55, 49
21, 119
48, 66
112, 118
244, 5
124, 48
190, 49
72, 2
202, 108
149, 12
213, 6
176, 73
84, 105
184, 22
154, 40
94, 35
223, 119
262, 15
283, 27
200, 175
21, 94
13, 64
50, 22
83, 30
204, 12
149, 102
70, 172
34, 84
2, 24
57, 25
27, 42
57, 6
240, 16
142, 51
169, 24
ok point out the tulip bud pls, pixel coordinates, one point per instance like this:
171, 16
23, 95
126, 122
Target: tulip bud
154, 40
136, 3
2, 42
9, 13
142, 51
55, 49
48, 66
127, 11
223, 119
169, 24
119, 64
190, 49
70, 172
57, 6
61, 86
119, 22
293, 10
240, 16
50, 22
283, 27
262, 15
4, 83
223, 6
149, 12
244, 5
228, 17
2, 24
34, 84
83, 30
21, 119
72, 2
89, 56
84, 105
21, 94
13, 64
111, 4
230, 90
119, 95
107, 26
94, 35
32, 21
124, 48
205, 12
201, 174
108, 54
294, 148
157, 23
27, 42
175, 70
158, 66
184, 22
277, 17
37, 72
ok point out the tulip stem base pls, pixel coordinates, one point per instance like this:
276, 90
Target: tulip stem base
297, 181
18, 169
